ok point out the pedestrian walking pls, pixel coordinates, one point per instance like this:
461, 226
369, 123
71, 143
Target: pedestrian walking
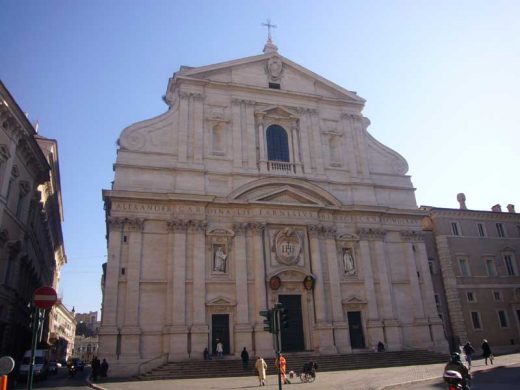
486, 352
281, 363
468, 351
260, 367
220, 349
245, 358
104, 368
96, 366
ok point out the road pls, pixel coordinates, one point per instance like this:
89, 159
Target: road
60, 381
496, 379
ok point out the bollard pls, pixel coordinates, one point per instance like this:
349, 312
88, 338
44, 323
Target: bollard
3, 382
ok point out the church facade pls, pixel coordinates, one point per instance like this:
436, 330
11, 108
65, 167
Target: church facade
261, 184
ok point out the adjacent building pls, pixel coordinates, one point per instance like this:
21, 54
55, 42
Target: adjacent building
473, 257
261, 184
89, 320
31, 242
86, 347
62, 327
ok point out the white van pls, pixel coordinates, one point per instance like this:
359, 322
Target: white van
41, 367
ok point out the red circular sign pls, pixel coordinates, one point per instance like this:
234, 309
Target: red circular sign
45, 297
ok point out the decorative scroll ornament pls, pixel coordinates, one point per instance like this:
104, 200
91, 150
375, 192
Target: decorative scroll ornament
308, 283
275, 283
288, 245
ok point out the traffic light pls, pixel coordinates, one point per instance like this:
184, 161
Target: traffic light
284, 319
268, 321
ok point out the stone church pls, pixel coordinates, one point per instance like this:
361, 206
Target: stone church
261, 184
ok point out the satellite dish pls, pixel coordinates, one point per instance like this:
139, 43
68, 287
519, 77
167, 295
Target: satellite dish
6, 365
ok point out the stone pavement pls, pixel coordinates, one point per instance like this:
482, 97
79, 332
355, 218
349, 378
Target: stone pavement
368, 379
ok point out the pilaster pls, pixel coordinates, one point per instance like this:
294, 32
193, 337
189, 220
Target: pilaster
237, 133
318, 149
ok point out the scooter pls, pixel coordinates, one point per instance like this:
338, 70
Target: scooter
72, 371
454, 380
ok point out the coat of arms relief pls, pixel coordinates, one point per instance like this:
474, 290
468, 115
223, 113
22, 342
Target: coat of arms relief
287, 245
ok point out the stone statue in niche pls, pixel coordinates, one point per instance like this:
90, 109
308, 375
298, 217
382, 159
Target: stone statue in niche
219, 259
349, 266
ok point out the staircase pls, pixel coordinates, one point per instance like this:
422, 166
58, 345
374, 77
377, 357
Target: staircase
233, 367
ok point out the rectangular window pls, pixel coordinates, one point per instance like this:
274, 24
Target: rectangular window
464, 267
455, 229
510, 265
475, 320
491, 267
471, 296
431, 266
497, 296
481, 231
500, 230
502, 319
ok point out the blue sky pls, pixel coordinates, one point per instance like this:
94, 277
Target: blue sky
441, 81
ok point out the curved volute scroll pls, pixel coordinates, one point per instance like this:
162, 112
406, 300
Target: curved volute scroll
151, 135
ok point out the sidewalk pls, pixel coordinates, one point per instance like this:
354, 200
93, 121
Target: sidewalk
371, 379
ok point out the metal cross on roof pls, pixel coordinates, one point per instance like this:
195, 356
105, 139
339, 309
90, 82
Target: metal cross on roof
269, 26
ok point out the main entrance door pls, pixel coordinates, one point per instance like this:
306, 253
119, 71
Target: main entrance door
292, 337
220, 331
357, 340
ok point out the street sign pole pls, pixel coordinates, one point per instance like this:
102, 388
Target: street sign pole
44, 298
35, 330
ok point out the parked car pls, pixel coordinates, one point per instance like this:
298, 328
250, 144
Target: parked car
53, 367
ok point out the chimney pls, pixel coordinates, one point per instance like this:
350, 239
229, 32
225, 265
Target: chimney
511, 208
461, 198
496, 208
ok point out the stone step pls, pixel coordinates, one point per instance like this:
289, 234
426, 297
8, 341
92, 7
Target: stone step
233, 367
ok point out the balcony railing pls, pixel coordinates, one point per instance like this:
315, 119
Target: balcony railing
282, 167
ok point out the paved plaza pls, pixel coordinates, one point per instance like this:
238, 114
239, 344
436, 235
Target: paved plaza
369, 379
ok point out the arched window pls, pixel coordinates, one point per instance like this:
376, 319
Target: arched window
277, 144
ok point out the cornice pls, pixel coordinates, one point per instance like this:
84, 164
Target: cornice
434, 213
266, 91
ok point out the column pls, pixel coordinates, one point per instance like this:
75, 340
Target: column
348, 141
296, 149
392, 325
131, 331
340, 329
435, 323
243, 329
374, 325
199, 328
318, 149
170, 226
183, 126
304, 133
251, 138
323, 327
263, 339
108, 330
262, 158
421, 336
237, 133
198, 127
178, 331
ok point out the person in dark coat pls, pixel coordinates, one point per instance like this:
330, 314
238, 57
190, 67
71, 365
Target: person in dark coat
245, 358
206, 354
96, 366
468, 351
486, 352
104, 368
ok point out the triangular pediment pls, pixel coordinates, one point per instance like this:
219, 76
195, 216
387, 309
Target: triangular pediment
353, 300
278, 112
288, 194
220, 301
251, 71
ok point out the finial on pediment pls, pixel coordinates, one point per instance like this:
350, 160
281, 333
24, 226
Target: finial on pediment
269, 47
